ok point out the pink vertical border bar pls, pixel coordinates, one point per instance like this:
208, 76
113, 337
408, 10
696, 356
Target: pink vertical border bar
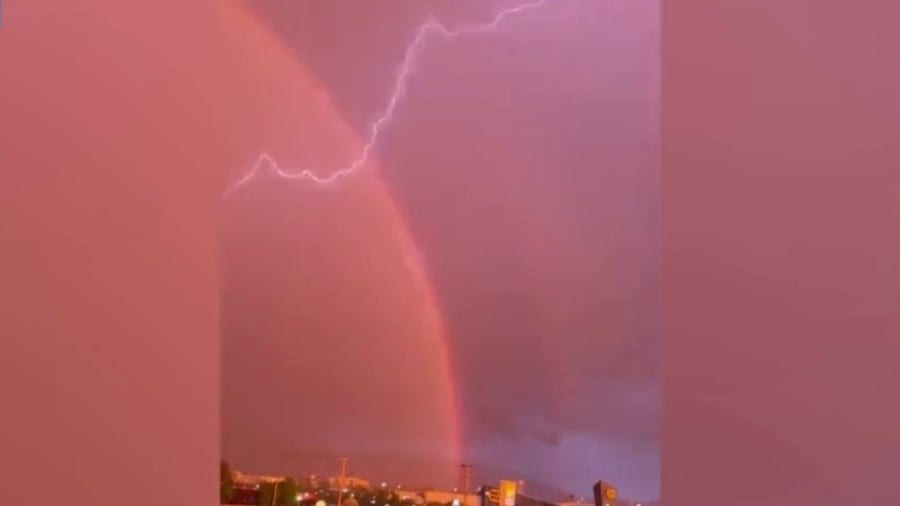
781, 252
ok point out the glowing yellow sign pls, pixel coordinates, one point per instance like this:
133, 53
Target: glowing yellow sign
507, 493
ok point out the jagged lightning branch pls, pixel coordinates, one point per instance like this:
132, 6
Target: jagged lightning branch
432, 25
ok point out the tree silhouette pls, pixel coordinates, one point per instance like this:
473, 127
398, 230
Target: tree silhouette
287, 492
284, 492
226, 482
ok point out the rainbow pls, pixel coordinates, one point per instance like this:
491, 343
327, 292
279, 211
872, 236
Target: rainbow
255, 46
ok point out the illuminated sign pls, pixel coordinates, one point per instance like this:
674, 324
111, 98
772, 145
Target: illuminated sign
507, 493
604, 494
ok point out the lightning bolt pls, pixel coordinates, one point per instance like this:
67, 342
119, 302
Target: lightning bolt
265, 161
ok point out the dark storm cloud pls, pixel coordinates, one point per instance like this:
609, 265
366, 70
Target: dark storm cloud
527, 165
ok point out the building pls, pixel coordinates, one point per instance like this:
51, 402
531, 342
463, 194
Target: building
336, 483
242, 480
244, 496
453, 497
489, 495
247, 487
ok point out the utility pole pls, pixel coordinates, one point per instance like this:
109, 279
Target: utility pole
343, 461
466, 471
